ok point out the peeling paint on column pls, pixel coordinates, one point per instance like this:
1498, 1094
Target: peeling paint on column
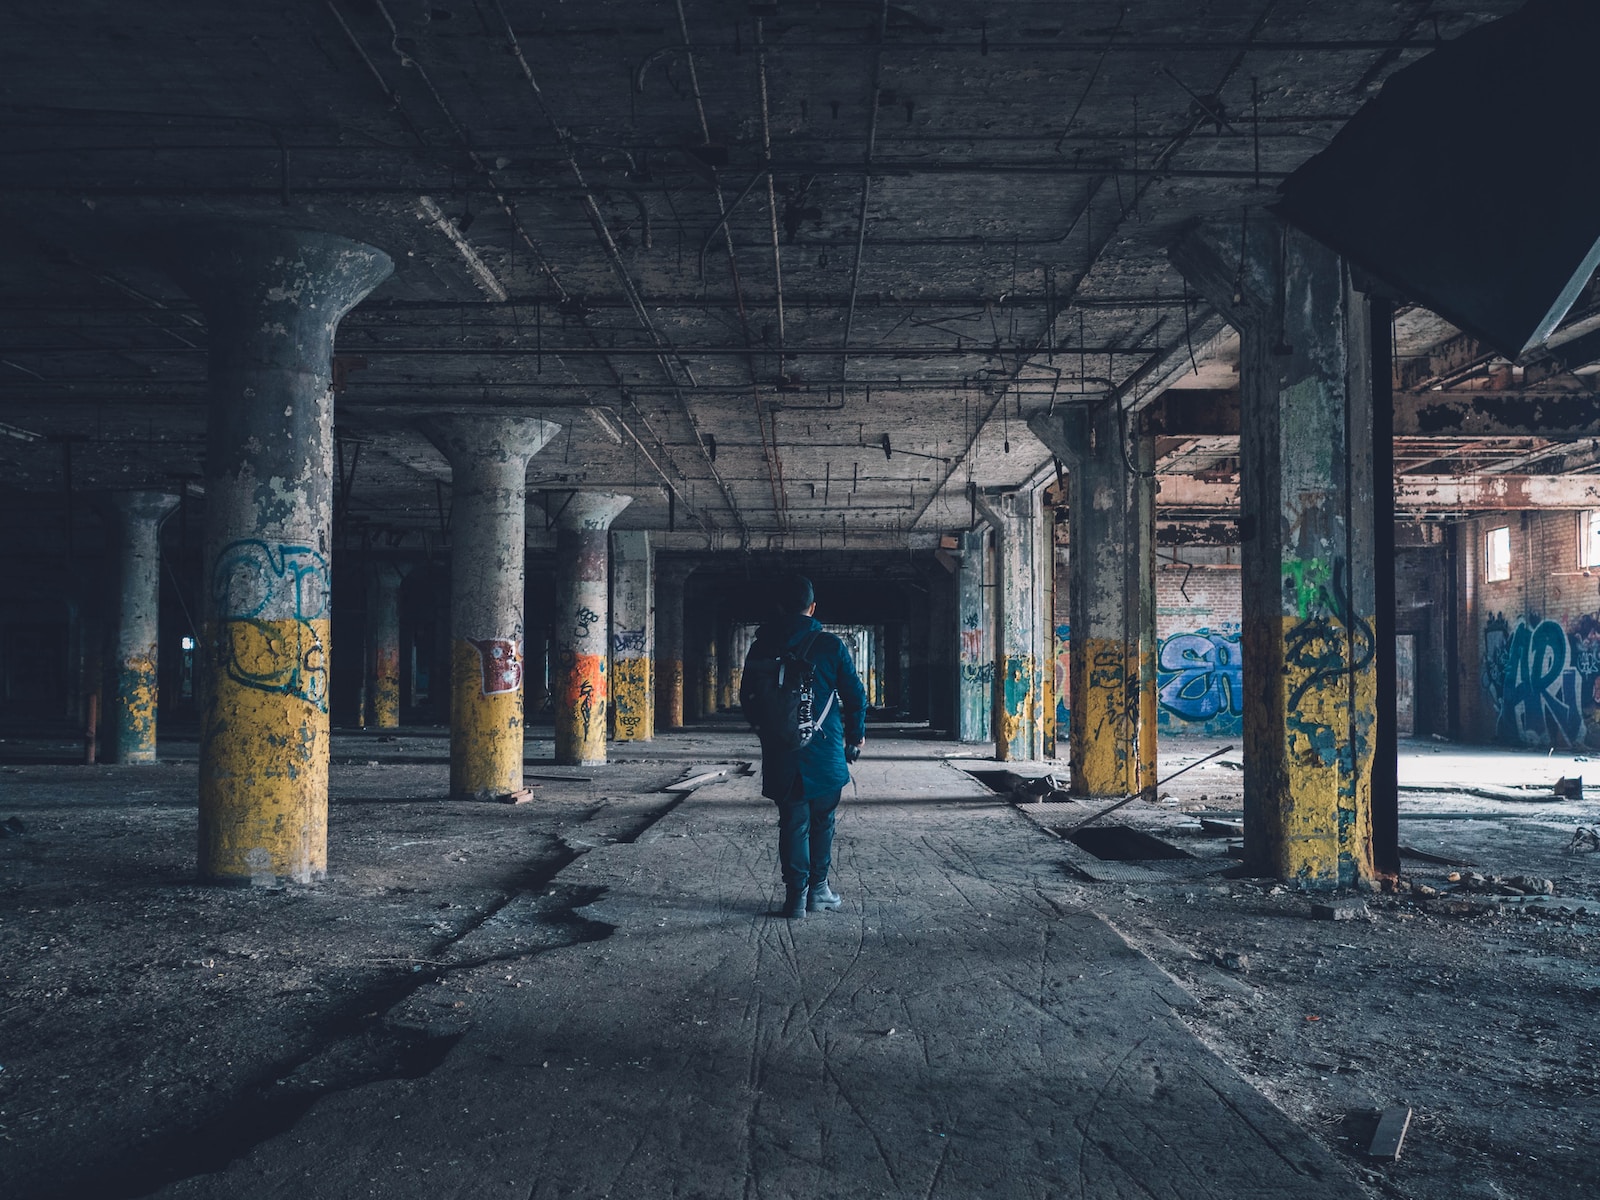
1112, 654
1306, 586
633, 636
488, 469
1017, 728
670, 578
383, 634
272, 300
976, 652
137, 518
582, 624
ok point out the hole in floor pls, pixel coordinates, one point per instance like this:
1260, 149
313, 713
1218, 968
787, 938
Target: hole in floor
997, 781
1119, 843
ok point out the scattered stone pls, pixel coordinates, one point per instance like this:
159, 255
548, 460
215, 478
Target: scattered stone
1532, 885
13, 827
1338, 910
1231, 960
1422, 889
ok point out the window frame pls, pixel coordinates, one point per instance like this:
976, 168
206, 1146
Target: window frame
1589, 537
1490, 563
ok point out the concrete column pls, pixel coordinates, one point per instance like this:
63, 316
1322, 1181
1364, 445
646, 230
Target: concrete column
582, 604
633, 636
1111, 507
272, 300
439, 659
1016, 682
670, 579
726, 696
383, 646
743, 637
708, 667
1306, 493
488, 553
137, 517
976, 683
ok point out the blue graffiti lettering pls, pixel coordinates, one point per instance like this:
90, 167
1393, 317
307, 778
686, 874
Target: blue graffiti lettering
1200, 675
1539, 695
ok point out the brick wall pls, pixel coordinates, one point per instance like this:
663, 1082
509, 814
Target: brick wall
1528, 647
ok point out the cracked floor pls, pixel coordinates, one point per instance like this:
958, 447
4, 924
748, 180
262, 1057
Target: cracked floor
588, 996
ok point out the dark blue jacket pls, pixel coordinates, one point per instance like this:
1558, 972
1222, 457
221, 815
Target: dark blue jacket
820, 764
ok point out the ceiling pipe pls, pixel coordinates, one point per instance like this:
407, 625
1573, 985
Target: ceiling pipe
482, 168
866, 191
769, 439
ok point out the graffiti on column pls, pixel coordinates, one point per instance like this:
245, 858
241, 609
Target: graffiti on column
1329, 644
1537, 699
1063, 678
584, 620
973, 669
501, 659
1200, 680
266, 596
627, 641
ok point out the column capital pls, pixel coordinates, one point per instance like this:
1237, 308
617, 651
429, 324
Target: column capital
470, 440
270, 281
590, 511
1235, 264
1064, 432
138, 506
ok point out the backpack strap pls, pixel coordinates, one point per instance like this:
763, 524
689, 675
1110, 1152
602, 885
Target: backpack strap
805, 654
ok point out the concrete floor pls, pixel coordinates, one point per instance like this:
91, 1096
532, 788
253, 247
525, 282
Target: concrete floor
588, 996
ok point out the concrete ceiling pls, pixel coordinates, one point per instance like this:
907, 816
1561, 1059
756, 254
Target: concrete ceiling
591, 208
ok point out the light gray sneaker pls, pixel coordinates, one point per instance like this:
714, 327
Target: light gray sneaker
822, 896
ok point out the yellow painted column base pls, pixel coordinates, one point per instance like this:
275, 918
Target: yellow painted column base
485, 724
632, 688
1113, 732
672, 693
386, 689
1015, 706
1316, 723
264, 753
135, 728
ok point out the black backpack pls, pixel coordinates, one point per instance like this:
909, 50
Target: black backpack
779, 696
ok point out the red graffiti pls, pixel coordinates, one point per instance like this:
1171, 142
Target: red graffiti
502, 664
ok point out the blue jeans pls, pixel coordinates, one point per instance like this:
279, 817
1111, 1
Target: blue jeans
805, 837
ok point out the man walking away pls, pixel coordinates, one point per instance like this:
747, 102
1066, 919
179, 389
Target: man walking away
802, 694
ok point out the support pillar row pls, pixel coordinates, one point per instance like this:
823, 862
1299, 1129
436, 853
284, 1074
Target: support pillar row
1016, 663
137, 517
383, 647
633, 636
1306, 492
272, 300
1111, 664
670, 579
488, 553
976, 666
582, 624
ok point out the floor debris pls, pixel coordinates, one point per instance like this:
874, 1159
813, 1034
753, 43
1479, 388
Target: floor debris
1390, 1134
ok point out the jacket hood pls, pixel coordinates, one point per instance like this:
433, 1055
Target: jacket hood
787, 629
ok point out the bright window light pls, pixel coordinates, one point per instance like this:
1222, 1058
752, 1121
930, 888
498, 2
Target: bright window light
1497, 554
188, 643
1589, 538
